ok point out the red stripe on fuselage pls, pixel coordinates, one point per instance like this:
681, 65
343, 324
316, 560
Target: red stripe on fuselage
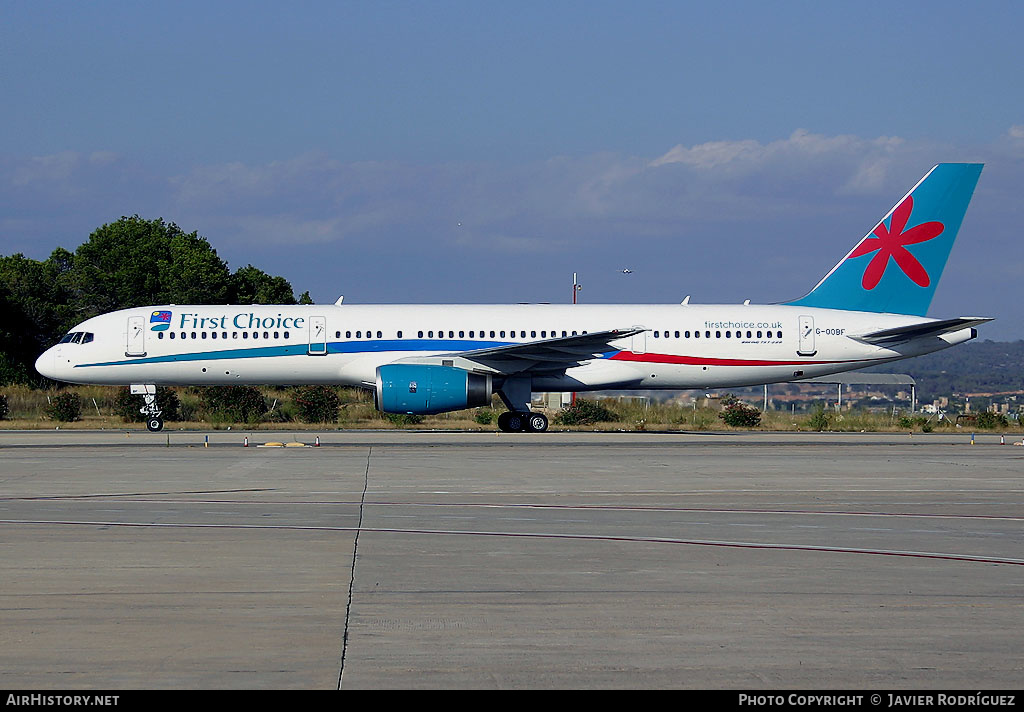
707, 361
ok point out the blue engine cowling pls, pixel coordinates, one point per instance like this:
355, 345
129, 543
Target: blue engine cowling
425, 389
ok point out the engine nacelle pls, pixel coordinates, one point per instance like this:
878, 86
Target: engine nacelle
426, 389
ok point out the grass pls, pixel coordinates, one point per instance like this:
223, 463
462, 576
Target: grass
27, 411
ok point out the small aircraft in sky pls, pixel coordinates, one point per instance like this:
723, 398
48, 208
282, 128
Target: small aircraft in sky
423, 359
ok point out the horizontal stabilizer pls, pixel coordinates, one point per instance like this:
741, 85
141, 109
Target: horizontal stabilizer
916, 331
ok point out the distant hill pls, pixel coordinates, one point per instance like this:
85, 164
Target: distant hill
974, 367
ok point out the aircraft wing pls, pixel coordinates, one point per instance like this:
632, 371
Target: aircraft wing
916, 331
547, 356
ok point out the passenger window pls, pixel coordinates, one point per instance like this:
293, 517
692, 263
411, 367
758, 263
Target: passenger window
728, 334
286, 334
172, 334
778, 334
245, 334
430, 334
769, 334
503, 334
696, 334
462, 334
160, 335
399, 334
213, 335
380, 335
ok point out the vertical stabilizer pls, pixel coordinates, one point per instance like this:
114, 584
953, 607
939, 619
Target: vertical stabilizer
896, 267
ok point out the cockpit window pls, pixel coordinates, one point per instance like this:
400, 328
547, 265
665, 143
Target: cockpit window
78, 337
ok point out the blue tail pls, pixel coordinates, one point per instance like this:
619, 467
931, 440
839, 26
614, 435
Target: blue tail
897, 265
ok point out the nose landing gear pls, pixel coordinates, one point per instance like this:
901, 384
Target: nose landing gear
153, 413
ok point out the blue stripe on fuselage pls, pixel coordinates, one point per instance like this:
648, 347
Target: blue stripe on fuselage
339, 347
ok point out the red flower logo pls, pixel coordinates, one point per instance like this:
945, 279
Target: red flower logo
890, 241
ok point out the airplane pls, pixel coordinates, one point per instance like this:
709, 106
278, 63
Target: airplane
424, 359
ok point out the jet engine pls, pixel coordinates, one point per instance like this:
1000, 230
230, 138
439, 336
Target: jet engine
427, 389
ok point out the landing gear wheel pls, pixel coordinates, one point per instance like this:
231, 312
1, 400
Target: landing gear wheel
510, 422
537, 422
155, 425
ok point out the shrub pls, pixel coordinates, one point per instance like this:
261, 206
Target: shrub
129, 406
585, 412
65, 407
317, 404
741, 415
989, 420
239, 404
484, 416
818, 420
4, 409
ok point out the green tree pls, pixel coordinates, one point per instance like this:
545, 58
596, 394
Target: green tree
135, 262
251, 285
36, 310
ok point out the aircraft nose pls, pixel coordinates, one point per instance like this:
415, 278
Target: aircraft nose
46, 364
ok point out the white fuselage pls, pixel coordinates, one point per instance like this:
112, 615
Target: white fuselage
684, 346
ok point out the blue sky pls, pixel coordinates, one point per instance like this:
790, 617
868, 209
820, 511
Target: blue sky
483, 151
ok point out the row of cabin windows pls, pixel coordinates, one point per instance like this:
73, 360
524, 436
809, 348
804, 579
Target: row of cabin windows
224, 334
441, 334
718, 334
554, 334
462, 334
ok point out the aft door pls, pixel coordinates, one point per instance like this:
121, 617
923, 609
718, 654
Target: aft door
638, 344
136, 338
317, 336
806, 347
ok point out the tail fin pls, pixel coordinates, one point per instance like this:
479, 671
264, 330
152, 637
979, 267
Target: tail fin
895, 268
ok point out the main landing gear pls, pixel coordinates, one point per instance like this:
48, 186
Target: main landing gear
515, 394
513, 422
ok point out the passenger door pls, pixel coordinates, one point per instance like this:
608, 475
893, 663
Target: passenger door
317, 336
806, 347
135, 344
638, 344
